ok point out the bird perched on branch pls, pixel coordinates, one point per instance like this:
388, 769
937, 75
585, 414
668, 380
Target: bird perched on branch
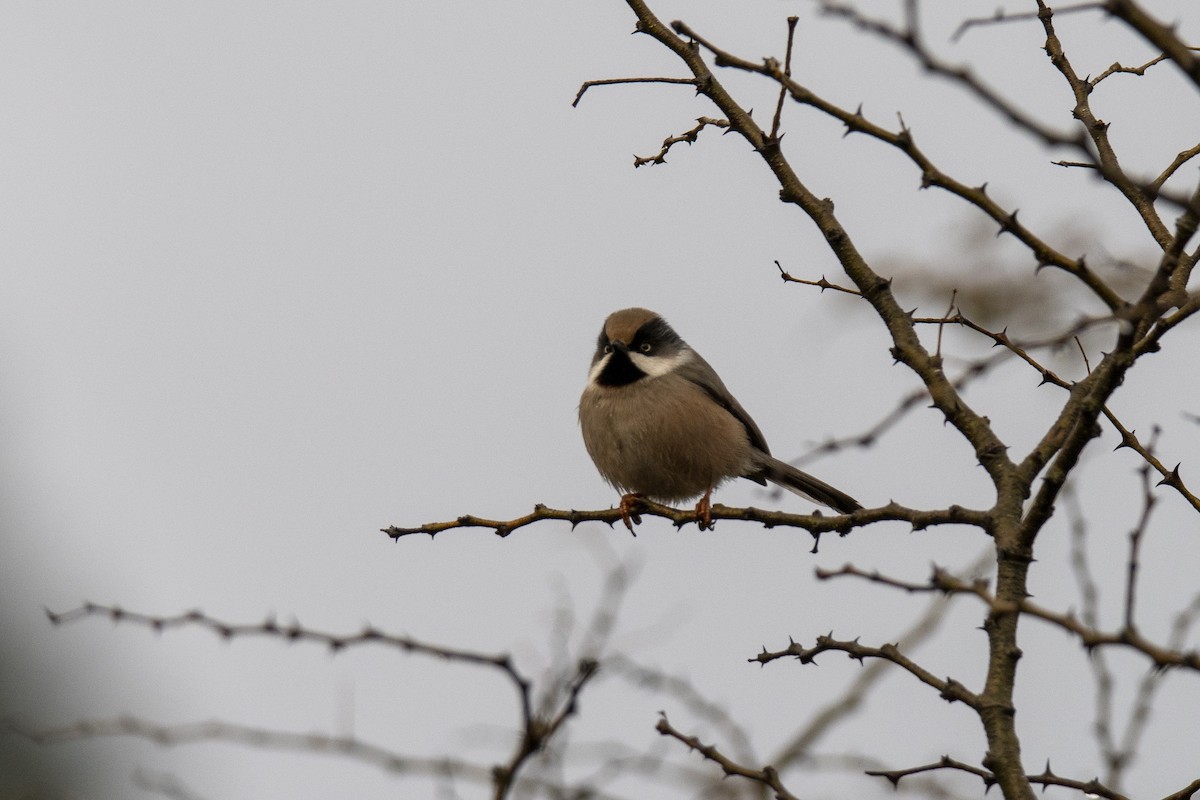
659, 423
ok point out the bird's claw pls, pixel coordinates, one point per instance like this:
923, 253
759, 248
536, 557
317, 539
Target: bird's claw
630, 503
704, 512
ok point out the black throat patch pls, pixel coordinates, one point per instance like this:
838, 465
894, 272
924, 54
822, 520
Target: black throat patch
619, 371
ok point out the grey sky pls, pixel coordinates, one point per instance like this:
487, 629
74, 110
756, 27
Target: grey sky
278, 275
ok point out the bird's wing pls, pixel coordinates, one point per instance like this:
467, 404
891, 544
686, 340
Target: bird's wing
698, 371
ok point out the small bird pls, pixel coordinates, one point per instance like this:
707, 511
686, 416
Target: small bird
659, 423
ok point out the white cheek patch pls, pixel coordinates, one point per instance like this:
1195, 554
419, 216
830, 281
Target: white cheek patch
653, 366
597, 368
657, 366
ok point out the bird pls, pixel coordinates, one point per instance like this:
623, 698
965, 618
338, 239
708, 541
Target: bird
659, 423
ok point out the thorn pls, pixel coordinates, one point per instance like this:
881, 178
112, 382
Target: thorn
1127, 440
1172, 478
1008, 225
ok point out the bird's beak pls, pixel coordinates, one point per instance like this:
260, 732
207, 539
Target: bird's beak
617, 344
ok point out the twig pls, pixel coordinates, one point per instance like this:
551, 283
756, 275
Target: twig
842, 707
1002, 16
683, 691
613, 81
767, 776
787, 70
1163, 657
1182, 158
904, 141
1170, 477
909, 38
537, 726
214, 730
938, 350
823, 283
1117, 68
1162, 37
1046, 778
1133, 563
1105, 157
689, 136
948, 689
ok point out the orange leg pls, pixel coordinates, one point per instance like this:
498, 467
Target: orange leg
704, 511
629, 507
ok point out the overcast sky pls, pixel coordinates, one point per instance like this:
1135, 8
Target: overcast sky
278, 275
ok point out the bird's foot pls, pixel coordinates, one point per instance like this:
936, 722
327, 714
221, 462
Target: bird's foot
630, 504
704, 511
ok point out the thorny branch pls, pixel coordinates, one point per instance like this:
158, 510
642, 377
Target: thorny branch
1105, 155
1162, 657
538, 724
815, 524
948, 689
1170, 477
909, 38
1092, 788
1118, 756
614, 81
1162, 37
1047, 778
767, 776
220, 731
931, 175
689, 136
1013, 523
838, 709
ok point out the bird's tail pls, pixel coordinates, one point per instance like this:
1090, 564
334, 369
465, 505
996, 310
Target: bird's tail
805, 485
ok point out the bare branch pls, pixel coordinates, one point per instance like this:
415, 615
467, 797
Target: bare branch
767, 776
537, 726
219, 731
840, 708
1105, 156
1181, 159
1116, 69
1170, 477
1162, 37
689, 136
949, 689
823, 283
1118, 756
816, 524
1163, 657
1002, 16
289, 632
686, 693
613, 81
787, 70
931, 175
911, 40
1047, 778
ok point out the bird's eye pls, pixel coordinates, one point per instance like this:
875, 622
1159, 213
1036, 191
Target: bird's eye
607, 348
645, 348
